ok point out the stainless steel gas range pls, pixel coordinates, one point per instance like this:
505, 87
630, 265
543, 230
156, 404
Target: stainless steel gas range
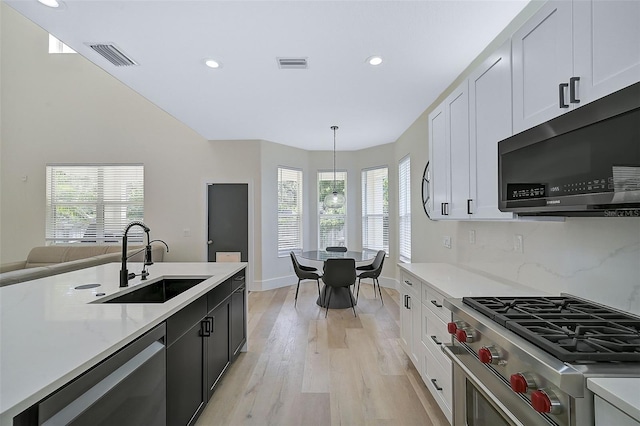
526, 360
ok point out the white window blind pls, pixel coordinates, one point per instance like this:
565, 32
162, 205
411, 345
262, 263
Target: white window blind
56, 46
289, 210
332, 224
375, 209
93, 202
404, 210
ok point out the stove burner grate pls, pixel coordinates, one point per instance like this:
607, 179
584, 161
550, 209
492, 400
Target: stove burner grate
571, 329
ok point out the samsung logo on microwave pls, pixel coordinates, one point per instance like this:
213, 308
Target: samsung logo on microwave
622, 213
550, 202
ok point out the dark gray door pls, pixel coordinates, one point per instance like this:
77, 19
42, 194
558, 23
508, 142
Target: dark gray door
228, 219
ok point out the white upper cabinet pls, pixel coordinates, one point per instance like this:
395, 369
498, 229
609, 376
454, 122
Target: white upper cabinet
457, 105
490, 121
542, 65
606, 42
449, 155
439, 162
571, 53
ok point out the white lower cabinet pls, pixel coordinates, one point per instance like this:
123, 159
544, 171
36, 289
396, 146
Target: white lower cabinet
423, 329
608, 414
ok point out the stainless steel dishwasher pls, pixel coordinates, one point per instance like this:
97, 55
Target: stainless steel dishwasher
128, 388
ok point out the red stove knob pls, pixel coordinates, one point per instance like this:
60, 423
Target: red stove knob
488, 355
544, 401
522, 382
518, 383
464, 335
452, 327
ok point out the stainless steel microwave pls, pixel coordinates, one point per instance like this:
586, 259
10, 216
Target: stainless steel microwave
583, 163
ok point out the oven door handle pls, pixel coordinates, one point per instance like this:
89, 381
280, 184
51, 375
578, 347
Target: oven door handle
449, 351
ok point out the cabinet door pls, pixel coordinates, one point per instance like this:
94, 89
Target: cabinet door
238, 330
439, 162
457, 134
186, 395
490, 112
405, 321
416, 331
218, 356
606, 45
542, 60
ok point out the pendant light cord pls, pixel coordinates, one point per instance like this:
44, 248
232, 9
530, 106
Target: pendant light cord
334, 128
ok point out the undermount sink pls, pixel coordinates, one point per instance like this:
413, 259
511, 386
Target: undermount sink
157, 292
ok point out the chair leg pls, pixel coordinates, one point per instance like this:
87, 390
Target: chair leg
352, 305
375, 296
379, 291
327, 290
297, 288
319, 297
358, 292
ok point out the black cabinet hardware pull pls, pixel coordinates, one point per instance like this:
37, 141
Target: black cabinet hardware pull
442, 209
446, 209
572, 90
212, 320
408, 302
408, 282
435, 340
561, 88
205, 331
436, 384
436, 304
469, 206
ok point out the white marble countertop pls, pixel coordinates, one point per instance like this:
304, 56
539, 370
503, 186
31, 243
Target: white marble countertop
50, 332
456, 281
623, 393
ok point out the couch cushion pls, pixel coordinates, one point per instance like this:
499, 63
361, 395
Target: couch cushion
81, 251
46, 255
21, 275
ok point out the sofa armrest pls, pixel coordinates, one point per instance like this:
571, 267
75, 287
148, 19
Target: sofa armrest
12, 266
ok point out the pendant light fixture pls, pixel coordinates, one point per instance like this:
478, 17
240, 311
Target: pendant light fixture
335, 200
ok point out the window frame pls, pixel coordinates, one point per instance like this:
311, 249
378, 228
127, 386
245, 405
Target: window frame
404, 210
366, 216
82, 189
281, 249
320, 201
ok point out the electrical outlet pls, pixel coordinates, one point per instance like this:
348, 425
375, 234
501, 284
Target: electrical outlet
472, 236
518, 243
446, 241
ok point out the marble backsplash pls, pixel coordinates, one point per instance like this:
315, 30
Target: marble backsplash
594, 258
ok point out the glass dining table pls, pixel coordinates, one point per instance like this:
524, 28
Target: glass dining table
340, 295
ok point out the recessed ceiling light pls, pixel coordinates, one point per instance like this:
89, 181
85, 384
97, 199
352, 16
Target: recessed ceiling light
212, 63
50, 3
374, 60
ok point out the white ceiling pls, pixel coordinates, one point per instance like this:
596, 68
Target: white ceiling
424, 44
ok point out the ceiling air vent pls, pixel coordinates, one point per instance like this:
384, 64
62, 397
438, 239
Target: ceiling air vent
112, 54
292, 63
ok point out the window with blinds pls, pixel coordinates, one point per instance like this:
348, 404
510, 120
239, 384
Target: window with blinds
404, 210
289, 210
93, 202
375, 209
332, 224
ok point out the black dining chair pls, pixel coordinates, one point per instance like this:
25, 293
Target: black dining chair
337, 249
304, 273
339, 273
372, 271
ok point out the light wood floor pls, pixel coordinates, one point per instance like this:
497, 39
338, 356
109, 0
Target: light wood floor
303, 369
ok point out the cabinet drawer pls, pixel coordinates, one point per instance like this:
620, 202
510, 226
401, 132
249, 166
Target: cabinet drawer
434, 331
184, 319
218, 294
434, 301
411, 283
439, 375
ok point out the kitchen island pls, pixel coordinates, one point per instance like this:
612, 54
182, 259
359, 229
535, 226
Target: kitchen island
52, 332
